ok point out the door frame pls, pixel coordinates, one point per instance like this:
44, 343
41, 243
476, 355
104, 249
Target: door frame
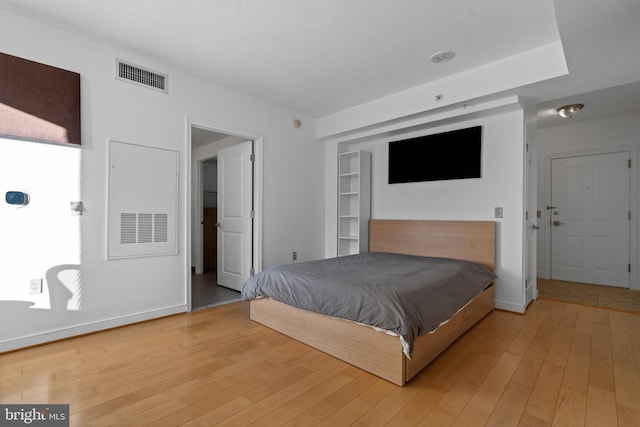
530, 189
633, 203
195, 187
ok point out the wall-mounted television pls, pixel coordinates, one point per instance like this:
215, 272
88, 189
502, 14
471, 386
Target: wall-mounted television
456, 154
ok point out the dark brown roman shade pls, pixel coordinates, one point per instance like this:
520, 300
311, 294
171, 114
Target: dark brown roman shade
38, 101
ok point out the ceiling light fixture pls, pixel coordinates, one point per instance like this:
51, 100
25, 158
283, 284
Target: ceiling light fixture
443, 56
569, 111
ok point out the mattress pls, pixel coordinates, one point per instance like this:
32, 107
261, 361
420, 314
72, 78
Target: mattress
403, 294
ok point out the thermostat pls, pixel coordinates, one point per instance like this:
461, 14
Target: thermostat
17, 198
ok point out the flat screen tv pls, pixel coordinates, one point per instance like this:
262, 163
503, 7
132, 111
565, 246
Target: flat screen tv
442, 156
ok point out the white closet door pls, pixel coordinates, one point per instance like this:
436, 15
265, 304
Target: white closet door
235, 177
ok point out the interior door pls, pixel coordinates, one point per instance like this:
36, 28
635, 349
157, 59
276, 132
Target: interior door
590, 219
235, 225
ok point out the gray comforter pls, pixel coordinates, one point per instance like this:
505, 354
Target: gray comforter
404, 294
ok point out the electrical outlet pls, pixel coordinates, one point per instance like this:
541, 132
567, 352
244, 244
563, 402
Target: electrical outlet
294, 255
35, 286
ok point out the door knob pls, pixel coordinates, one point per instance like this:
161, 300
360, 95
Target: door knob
218, 224
535, 227
556, 222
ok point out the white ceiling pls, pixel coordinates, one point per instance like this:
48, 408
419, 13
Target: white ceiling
321, 56
610, 102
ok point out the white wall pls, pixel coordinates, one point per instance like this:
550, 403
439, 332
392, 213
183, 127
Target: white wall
122, 291
501, 185
621, 132
49, 173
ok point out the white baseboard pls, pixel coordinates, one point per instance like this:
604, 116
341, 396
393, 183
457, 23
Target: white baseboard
72, 331
518, 308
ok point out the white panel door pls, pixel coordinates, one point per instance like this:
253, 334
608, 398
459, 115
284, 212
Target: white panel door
590, 219
235, 177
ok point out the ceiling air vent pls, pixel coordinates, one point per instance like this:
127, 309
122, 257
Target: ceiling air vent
131, 73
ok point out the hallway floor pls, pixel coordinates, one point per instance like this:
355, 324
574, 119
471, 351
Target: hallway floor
594, 295
205, 291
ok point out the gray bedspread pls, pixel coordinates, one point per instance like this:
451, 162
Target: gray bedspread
404, 294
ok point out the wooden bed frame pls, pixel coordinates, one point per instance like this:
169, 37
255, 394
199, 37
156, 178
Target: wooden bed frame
374, 351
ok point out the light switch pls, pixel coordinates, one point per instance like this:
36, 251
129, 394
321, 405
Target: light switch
498, 212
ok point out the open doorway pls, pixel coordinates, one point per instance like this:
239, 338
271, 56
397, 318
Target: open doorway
590, 229
206, 290
208, 225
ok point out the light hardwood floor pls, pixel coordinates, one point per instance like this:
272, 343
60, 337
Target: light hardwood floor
560, 364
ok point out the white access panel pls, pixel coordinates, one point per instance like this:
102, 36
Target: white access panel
143, 201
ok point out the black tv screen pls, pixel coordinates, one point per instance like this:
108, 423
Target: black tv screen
442, 156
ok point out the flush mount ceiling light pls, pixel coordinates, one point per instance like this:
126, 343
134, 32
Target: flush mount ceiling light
569, 111
443, 56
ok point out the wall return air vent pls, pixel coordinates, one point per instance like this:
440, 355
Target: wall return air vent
132, 73
143, 228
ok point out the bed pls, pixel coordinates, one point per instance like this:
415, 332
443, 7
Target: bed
381, 351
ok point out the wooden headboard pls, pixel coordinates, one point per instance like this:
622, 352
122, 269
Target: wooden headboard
467, 240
